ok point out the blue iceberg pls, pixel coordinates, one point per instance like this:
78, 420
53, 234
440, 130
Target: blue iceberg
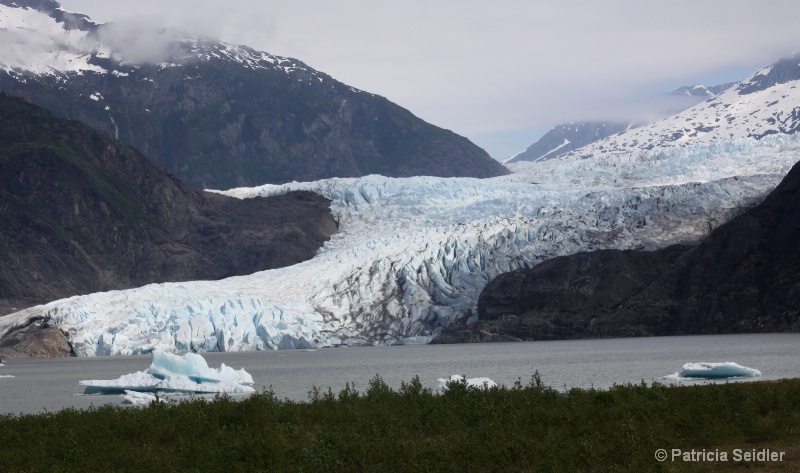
187, 373
705, 370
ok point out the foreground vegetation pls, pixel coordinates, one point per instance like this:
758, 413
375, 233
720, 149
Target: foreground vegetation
521, 428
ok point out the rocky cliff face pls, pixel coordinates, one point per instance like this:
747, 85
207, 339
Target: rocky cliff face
81, 213
745, 277
222, 116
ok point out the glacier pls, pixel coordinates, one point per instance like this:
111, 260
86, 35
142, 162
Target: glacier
187, 373
413, 254
706, 370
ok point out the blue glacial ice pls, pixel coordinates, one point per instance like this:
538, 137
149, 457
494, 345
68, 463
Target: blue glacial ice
187, 373
412, 255
706, 370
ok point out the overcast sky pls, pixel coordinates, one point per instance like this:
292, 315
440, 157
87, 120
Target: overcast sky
500, 72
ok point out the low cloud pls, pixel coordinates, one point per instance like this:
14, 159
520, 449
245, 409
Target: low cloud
477, 67
140, 39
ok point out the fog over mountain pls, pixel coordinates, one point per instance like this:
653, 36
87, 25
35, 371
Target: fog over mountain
218, 115
500, 73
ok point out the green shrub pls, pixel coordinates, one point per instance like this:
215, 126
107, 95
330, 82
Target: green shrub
528, 427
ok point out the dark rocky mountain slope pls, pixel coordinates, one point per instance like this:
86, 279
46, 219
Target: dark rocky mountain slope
743, 278
222, 116
80, 212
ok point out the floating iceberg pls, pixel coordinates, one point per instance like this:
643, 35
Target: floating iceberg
187, 373
471, 382
714, 371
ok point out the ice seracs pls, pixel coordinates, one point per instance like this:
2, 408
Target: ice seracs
413, 254
706, 370
187, 373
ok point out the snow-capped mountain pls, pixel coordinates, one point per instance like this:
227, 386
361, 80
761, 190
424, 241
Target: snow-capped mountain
571, 136
216, 114
702, 91
768, 102
567, 137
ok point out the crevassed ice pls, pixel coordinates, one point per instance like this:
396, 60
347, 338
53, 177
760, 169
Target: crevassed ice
412, 255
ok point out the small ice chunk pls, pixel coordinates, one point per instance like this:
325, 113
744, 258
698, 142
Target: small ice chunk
471, 382
706, 370
137, 399
176, 373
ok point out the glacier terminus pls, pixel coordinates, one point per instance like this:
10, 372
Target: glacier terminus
413, 254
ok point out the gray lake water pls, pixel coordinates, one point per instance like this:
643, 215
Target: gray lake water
52, 384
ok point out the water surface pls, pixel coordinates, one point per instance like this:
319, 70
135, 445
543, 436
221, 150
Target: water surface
52, 384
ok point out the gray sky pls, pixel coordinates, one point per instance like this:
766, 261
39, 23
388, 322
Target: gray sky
500, 72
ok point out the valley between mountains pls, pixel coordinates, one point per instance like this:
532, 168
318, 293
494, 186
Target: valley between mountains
340, 219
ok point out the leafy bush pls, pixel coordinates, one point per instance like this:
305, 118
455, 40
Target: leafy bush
528, 427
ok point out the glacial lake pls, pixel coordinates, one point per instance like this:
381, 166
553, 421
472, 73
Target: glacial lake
52, 384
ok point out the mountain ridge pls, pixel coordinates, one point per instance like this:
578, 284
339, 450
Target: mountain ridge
222, 116
767, 102
567, 137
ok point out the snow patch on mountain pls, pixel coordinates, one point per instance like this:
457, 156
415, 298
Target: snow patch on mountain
413, 254
36, 43
565, 143
739, 112
39, 44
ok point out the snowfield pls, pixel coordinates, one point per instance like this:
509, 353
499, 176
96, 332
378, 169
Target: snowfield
748, 110
413, 254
